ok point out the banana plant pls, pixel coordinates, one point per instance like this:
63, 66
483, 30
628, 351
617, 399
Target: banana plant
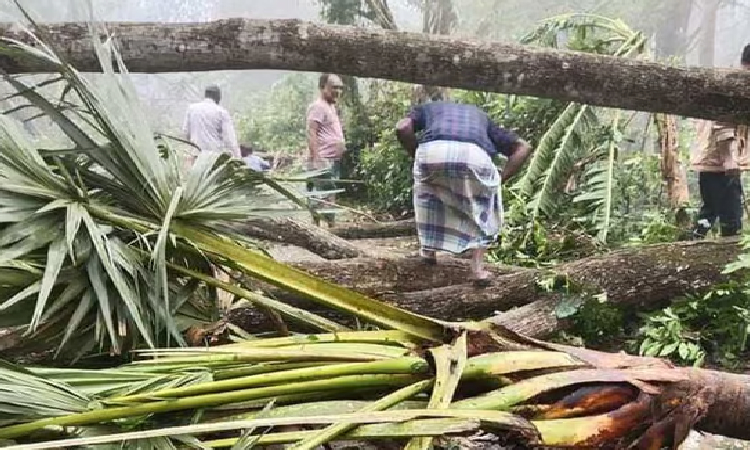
572, 136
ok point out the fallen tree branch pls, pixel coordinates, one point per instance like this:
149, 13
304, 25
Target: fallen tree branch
301, 234
384, 276
643, 277
377, 230
247, 44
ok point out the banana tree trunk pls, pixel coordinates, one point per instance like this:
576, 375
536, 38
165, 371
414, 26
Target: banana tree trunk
242, 44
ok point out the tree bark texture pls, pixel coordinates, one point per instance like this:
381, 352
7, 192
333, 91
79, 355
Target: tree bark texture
242, 44
672, 169
380, 276
396, 228
301, 234
644, 277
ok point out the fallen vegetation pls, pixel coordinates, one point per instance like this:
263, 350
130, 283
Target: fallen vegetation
108, 247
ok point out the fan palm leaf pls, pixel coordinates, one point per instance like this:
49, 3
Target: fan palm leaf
121, 219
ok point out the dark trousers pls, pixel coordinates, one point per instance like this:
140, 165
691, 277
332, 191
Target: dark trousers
722, 198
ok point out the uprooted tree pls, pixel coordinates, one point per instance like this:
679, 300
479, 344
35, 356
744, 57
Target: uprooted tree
424, 59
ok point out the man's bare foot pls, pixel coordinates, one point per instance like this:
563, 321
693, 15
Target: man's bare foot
481, 279
428, 257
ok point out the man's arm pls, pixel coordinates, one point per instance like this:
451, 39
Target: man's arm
520, 153
406, 135
315, 117
312, 139
509, 144
407, 128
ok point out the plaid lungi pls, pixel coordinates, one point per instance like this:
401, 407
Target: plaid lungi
457, 200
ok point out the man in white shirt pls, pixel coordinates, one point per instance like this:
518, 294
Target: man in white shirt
209, 126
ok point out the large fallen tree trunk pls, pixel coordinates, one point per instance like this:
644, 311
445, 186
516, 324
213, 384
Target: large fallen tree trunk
380, 276
434, 60
643, 277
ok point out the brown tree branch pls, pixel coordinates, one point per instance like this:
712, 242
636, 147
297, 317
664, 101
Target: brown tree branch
242, 44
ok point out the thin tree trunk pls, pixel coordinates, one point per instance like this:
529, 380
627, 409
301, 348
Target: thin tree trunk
237, 44
672, 170
708, 39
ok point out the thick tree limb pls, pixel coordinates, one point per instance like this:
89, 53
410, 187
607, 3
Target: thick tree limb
377, 277
377, 230
643, 277
238, 44
301, 234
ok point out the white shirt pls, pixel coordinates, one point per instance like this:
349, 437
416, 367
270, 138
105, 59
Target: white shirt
210, 127
256, 163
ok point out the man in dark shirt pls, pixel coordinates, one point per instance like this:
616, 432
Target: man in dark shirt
457, 200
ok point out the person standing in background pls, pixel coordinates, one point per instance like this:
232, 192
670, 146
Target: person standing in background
209, 126
720, 161
325, 136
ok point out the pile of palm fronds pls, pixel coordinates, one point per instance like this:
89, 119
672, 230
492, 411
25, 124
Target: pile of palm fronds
107, 246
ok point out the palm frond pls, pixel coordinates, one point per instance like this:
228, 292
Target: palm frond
102, 292
27, 397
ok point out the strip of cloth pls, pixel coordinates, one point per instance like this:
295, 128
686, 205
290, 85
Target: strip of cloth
457, 200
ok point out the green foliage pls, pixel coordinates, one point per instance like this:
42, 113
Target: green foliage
593, 321
90, 241
386, 169
345, 12
577, 135
275, 120
384, 166
714, 326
